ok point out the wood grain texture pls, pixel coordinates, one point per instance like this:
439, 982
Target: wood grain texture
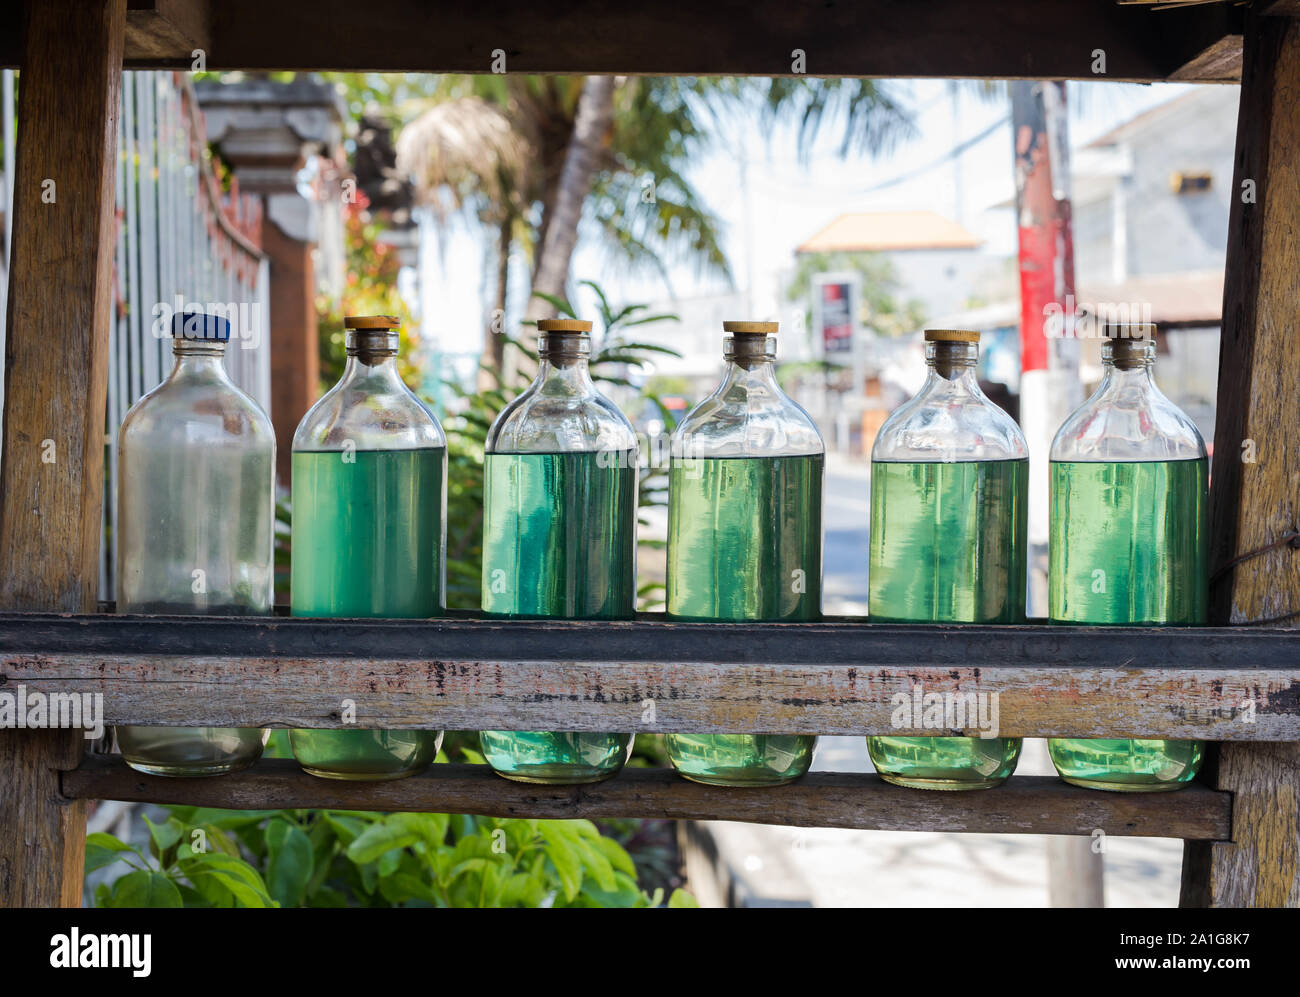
998, 39
55, 382
1252, 504
1023, 805
827, 678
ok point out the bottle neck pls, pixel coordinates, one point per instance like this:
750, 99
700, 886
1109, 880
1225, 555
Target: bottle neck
1127, 365
196, 358
952, 367
372, 360
563, 359
751, 357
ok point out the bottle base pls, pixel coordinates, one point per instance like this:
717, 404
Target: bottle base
361, 776
746, 781
190, 771
1125, 787
942, 785
560, 777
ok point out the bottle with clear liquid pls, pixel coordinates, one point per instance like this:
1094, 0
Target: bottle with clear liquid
1129, 542
369, 532
745, 537
949, 498
559, 535
195, 525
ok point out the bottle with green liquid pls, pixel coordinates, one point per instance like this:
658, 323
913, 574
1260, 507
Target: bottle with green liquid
369, 531
745, 537
195, 525
559, 535
949, 493
1129, 499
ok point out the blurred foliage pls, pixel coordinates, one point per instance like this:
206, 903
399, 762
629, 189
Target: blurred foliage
370, 288
201, 857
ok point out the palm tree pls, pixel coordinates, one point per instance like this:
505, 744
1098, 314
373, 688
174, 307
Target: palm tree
591, 144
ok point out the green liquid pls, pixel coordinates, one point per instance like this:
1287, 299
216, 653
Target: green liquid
948, 544
368, 541
1129, 546
559, 541
744, 543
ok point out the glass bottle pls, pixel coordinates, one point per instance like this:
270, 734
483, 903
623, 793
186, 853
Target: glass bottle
949, 494
559, 534
369, 531
745, 537
195, 525
1128, 536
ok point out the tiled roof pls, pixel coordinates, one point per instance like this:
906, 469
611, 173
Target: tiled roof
878, 231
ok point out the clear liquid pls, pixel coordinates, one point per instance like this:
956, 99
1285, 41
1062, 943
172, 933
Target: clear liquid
744, 543
190, 752
194, 532
559, 541
368, 541
948, 544
1129, 546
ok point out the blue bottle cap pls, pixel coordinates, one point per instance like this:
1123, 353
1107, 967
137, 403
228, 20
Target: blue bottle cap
199, 325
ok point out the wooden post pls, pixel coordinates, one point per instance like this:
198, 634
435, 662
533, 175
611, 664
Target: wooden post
1254, 501
52, 462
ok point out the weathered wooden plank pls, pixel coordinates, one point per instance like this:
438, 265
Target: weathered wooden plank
43, 833
56, 355
999, 39
1253, 500
167, 30
1023, 805
1223, 684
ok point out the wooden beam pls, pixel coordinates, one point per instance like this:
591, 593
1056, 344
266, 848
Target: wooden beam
1218, 62
55, 381
1023, 805
1279, 8
827, 678
167, 30
1253, 501
995, 39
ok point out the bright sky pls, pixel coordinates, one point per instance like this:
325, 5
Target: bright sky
786, 201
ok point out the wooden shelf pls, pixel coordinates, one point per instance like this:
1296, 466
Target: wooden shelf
1024, 805
1220, 684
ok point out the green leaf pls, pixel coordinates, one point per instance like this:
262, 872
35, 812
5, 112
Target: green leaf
163, 838
681, 898
383, 836
104, 849
144, 888
290, 862
213, 873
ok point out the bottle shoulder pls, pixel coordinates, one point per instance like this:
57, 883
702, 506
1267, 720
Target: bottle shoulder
747, 417
560, 421
1135, 423
363, 417
943, 423
197, 411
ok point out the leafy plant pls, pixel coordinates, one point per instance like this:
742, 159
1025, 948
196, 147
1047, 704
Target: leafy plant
201, 857
187, 866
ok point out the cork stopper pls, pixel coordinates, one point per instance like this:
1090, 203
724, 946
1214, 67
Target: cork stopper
951, 336
748, 344
372, 339
1129, 345
563, 341
951, 351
